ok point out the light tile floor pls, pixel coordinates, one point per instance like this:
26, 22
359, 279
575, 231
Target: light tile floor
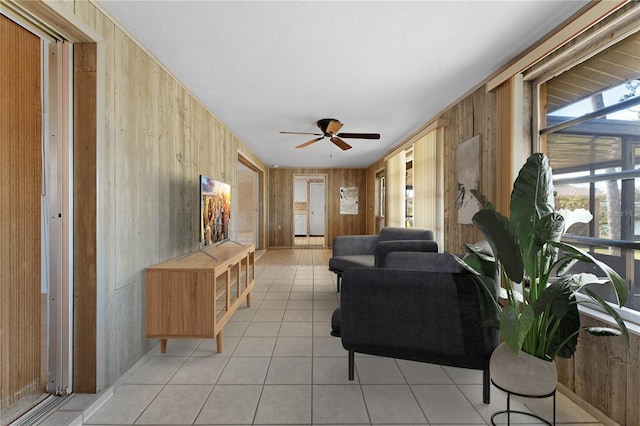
308, 242
281, 367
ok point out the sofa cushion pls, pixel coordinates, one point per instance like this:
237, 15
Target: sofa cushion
383, 248
342, 263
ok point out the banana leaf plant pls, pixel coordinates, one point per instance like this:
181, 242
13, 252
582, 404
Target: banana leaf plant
539, 308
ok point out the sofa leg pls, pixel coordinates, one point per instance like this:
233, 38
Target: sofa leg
486, 386
351, 364
338, 282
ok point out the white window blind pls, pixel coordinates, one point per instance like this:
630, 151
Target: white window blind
396, 186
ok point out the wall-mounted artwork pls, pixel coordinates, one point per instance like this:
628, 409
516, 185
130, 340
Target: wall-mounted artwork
349, 200
468, 178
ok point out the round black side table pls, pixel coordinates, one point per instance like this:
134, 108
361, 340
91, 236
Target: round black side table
508, 411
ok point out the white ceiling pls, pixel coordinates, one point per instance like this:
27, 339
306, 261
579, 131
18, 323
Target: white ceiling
385, 67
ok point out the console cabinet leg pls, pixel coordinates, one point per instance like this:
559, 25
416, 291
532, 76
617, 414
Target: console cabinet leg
163, 346
219, 341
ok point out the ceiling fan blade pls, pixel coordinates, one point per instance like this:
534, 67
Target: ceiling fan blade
360, 135
310, 142
340, 143
302, 133
333, 127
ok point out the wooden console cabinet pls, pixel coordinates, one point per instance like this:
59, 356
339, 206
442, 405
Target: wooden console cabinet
193, 296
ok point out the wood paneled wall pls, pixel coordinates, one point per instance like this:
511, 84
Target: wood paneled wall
474, 115
153, 140
601, 373
20, 221
280, 216
604, 375
85, 292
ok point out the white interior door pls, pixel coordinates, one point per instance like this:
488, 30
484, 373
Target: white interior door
316, 208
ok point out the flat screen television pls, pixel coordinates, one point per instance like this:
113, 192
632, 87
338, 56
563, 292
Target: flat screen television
215, 211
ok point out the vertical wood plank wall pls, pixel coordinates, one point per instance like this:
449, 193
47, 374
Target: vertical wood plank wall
20, 194
158, 138
471, 116
281, 203
85, 217
601, 373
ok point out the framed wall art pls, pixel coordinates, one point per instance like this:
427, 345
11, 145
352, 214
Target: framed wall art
468, 158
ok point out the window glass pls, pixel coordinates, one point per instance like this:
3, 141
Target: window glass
593, 145
606, 98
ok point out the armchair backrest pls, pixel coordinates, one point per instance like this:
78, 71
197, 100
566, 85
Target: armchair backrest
423, 261
391, 233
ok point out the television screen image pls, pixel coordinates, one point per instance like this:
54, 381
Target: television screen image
215, 211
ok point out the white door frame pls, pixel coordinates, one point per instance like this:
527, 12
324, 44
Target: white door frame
308, 177
58, 187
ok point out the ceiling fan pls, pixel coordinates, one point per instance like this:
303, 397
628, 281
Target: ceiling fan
330, 128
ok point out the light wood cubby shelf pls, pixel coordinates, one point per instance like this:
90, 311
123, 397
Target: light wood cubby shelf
193, 296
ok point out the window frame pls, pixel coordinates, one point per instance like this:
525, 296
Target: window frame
630, 153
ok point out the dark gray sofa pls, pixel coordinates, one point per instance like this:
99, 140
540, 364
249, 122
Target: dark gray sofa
371, 250
421, 307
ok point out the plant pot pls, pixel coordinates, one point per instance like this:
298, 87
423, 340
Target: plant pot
522, 374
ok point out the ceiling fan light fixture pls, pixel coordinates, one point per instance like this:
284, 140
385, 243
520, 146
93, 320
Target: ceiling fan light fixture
329, 128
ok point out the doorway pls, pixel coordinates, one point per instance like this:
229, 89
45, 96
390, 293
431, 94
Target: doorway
309, 211
247, 204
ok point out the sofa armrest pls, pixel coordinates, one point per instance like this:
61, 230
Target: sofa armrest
436, 317
352, 245
385, 247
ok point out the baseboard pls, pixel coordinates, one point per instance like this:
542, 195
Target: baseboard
599, 415
108, 393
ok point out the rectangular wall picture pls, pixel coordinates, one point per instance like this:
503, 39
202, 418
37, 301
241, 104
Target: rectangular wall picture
348, 200
468, 178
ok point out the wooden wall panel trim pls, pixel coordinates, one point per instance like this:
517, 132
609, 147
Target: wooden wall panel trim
59, 19
20, 193
85, 217
371, 212
504, 146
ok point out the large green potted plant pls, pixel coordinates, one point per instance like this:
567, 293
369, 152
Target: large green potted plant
538, 309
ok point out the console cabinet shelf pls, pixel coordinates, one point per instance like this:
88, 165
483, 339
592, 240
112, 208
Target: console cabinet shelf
193, 296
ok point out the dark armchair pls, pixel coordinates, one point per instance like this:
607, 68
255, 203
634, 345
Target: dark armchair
438, 315
371, 250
